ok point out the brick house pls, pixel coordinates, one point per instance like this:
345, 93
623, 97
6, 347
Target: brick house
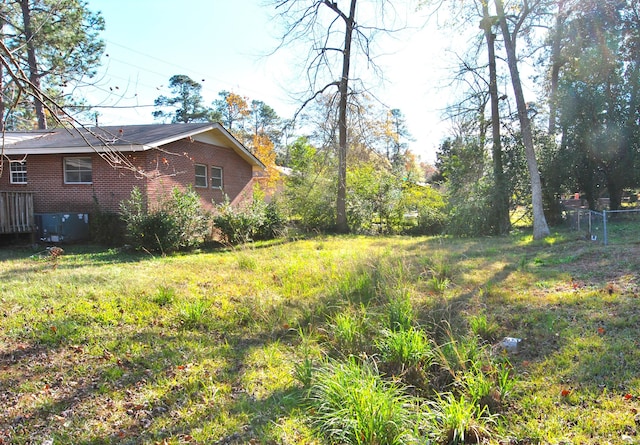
67, 172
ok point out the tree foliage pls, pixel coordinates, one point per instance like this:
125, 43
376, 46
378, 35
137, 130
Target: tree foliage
186, 101
45, 45
597, 96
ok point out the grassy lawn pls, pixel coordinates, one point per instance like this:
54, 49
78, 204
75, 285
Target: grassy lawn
250, 345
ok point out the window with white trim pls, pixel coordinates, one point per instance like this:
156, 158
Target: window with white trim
18, 172
201, 175
216, 177
78, 171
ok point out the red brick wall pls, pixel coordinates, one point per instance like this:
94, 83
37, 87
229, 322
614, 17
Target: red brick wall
174, 166
45, 178
167, 168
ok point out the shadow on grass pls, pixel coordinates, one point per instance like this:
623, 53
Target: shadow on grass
140, 387
145, 384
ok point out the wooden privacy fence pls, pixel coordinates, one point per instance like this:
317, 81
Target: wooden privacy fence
16, 212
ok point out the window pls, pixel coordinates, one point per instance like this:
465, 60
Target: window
18, 172
201, 175
77, 171
216, 177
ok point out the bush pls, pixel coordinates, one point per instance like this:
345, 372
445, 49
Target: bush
274, 222
106, 228
177, 223
470, 213
255, 221
429, 205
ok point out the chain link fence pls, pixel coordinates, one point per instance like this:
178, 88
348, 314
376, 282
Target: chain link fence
606, 227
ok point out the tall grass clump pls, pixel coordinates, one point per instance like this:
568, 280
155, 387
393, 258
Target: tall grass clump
359, 285
349, 331
400, 315
164, 296
352, 404
459, 354
405, 349
459, 420
193, 313
482, 327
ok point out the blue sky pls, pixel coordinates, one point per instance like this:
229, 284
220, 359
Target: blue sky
224, 45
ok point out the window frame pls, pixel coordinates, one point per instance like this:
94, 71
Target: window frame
217, 179
17, 173
205, 177
79, 171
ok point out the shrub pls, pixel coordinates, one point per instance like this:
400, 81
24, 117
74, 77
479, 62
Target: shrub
274, 222
188, 218
177, 223
429, 206
106, 228
255, 221
310, 190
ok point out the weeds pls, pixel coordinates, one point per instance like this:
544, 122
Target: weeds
117, 347
438, 285
483, 328
164, 296
460, 420
353, 405
348, 330
400, 313
405, 349
193, 313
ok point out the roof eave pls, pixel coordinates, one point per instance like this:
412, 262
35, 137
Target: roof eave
8, 150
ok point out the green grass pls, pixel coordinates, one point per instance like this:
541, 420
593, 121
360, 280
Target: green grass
234, 346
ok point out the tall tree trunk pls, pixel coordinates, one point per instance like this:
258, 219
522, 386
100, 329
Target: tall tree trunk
556, 64
501, 197
540, 227
342, 225
2, 85
34, 75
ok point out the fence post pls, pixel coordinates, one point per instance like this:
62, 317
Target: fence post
604, 226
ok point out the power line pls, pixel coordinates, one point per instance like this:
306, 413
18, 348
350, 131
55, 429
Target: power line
89, 107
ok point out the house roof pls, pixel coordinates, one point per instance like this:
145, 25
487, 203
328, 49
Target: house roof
124, 138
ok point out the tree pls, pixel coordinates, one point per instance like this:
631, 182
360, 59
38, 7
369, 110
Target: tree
264, 120
594, 70
500, 208
510, 36
395, 134
336, 38
186, 99
311, 186
263, 150
233, 110
46, 45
